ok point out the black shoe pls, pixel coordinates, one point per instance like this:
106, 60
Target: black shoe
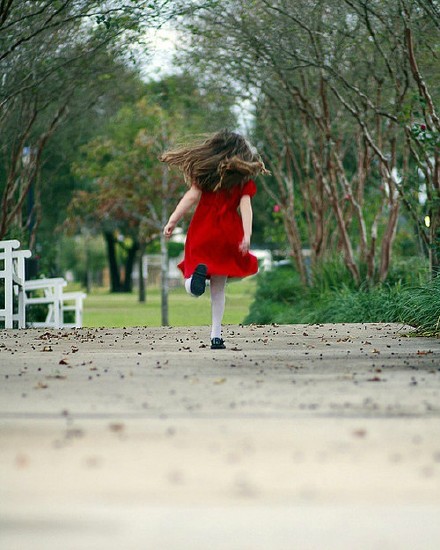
198, 280
217, 343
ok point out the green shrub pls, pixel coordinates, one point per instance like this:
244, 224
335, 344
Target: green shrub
409, 271
281, 298
36, 313
330, 275
280, 285
275, 290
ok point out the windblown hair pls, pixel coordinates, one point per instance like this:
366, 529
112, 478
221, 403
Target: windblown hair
221, 161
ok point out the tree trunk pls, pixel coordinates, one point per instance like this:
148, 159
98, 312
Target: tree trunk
142, 288
388, 240
115, 278
88, 276
129, 264
294, 240
344, 236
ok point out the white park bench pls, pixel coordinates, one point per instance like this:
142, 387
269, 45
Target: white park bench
58, 302
39, 291
13, 276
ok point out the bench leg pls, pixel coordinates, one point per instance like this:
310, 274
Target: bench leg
21, 309
9, 299
57, 308
8, 310
50, 316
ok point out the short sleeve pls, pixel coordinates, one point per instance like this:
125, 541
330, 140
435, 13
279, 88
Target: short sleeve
249, 188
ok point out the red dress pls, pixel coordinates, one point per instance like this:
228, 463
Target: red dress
215, 234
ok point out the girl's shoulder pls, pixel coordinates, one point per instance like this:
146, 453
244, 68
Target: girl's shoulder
249, 188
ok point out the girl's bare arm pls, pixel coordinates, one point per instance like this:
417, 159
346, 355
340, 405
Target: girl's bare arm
246, 219
189, 199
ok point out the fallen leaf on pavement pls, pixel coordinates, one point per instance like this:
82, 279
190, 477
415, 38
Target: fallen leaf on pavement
116, 427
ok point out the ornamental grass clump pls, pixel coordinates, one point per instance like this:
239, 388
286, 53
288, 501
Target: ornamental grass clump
421, 308
405, 298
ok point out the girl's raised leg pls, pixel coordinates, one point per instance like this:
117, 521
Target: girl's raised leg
196, 284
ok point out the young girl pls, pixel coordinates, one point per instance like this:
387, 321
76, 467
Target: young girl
217, 172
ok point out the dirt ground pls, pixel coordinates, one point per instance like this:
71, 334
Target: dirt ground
294, 437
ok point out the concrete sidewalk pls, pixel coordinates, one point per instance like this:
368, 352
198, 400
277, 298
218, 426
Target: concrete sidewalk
295, 437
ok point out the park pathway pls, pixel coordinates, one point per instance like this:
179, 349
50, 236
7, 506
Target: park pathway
295, 437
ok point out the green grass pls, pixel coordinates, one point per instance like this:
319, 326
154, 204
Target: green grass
103, 309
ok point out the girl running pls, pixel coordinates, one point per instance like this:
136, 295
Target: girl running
218, 172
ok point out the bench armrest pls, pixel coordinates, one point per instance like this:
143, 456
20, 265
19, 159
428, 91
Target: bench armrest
37, 284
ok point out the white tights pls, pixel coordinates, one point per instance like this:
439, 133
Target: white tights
218, 285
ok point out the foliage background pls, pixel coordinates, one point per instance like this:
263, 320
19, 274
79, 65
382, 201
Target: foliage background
344, 109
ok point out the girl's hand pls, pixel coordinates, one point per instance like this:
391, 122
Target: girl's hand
245, 245
168, 229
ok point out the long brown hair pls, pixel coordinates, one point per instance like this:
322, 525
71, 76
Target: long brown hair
220, 161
